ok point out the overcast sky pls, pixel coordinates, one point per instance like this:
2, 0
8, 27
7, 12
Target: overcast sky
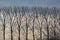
30, 3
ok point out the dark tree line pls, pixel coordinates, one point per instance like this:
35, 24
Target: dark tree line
34, 13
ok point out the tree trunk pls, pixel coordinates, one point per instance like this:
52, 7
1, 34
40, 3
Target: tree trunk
47, 32
26, 30
4, 30
33, 29
41, 32
47, 29
19, 28
54, 31
11, 28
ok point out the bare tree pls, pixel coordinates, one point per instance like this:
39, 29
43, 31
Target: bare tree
40, 30
19, 25
4, 27
26, 29
33, 28
11, 27
47, 28
54, 30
